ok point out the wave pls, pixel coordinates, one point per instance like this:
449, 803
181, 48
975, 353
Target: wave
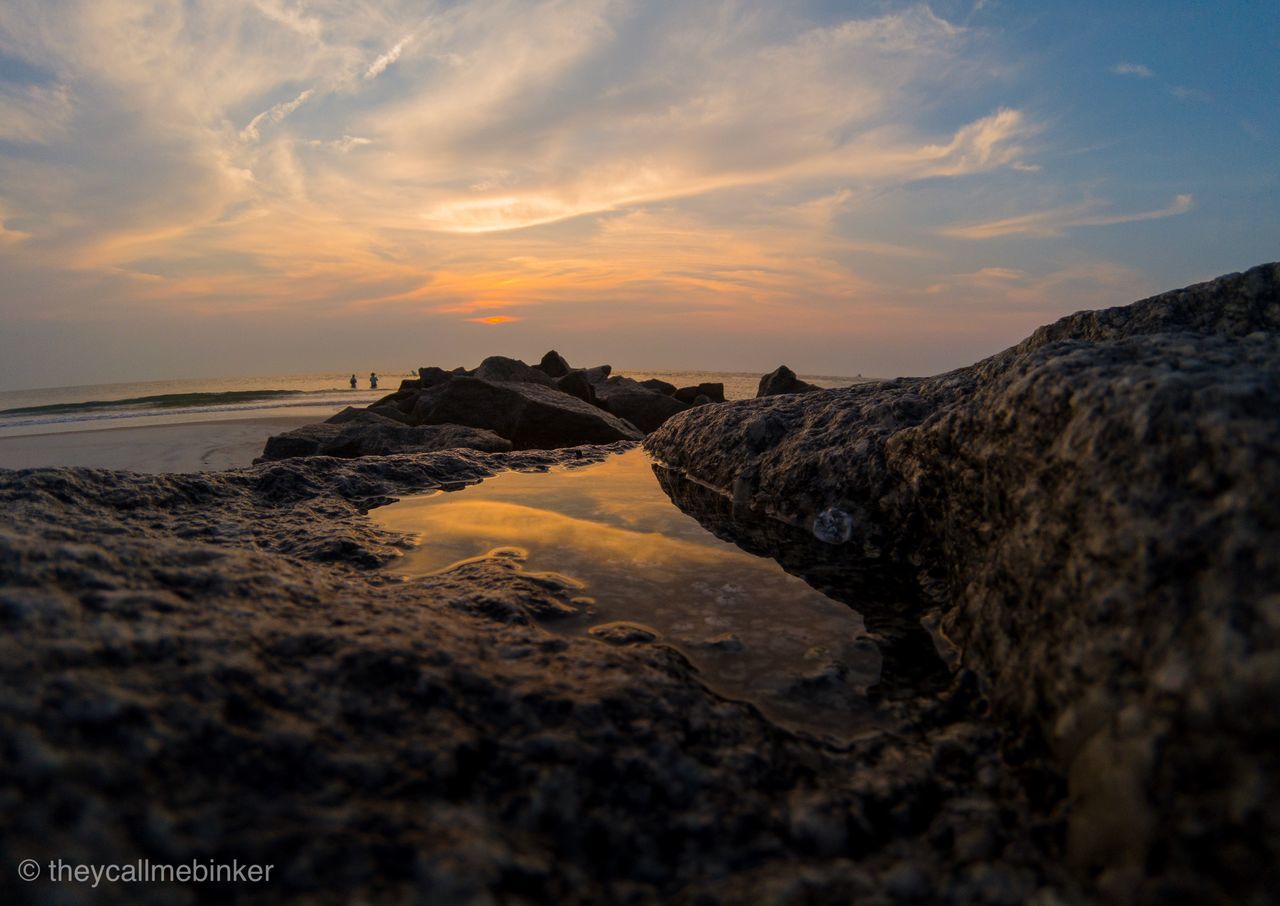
162, 401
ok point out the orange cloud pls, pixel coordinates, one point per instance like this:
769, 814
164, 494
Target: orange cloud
493, 319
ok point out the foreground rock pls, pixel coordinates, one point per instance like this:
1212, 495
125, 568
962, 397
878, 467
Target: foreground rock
1092, 513
366, 433
211, 666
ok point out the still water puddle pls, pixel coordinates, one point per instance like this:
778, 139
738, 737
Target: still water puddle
648, 572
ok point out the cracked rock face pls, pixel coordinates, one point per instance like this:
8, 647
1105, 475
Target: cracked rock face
1092, 514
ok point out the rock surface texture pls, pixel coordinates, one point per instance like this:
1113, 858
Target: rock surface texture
1092, 514
212, 666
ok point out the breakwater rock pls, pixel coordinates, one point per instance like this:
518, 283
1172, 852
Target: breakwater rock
501, 404
213, 666
1092, 516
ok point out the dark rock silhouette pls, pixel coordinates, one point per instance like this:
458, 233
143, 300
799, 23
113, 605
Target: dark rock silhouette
714, 392
553, 364
529, 415
644, 408
783, 380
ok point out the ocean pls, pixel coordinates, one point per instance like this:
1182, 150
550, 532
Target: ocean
148, 403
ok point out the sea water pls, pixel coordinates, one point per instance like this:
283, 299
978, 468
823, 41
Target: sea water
140, 404
647, 573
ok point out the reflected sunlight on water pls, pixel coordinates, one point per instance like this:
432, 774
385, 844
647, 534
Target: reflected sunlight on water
752, 630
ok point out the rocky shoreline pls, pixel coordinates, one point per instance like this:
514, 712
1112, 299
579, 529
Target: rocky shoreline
214, 665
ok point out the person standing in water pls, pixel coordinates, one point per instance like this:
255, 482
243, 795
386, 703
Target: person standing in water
373, 381
353, 382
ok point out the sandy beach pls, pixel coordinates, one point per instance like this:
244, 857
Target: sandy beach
187, 447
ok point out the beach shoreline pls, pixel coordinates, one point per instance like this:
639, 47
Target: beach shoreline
200, 446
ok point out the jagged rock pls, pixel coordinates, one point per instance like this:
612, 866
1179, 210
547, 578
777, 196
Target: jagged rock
575, 383
783, 380
658, 386
529, 415
410, 384
431, 376
370, 434
1092, 513
500, 369
553, 365
644, 408
701, 400
598, 373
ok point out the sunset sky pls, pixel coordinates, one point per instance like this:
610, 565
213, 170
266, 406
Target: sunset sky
219, 187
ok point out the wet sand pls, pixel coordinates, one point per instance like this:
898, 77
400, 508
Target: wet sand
187, 447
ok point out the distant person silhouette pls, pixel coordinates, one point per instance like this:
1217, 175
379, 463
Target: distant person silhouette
354, 382
373, 381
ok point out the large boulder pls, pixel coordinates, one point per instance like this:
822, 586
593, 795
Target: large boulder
598, 373
1092, 514
783, 380
575, 383
499, 368
644, 408
430, 376
370, 434
529, 415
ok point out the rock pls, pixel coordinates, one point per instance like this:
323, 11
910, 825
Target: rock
713, 392
783, 380
206, 665
701, 400
598, 373
529, 415
371, 434
644, 408
500, 369
431, 376
1092, 516
392, 412
622, 633
410, 384
345, 415
553, 365
658, 386
575, 383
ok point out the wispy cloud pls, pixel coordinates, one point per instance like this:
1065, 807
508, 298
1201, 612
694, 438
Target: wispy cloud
275, 115
1137, 70
379, 66
1056, 221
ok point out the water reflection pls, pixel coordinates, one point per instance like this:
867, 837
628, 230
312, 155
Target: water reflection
886, 597
652, 572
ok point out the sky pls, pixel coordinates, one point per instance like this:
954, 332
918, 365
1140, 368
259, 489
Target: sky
201, 188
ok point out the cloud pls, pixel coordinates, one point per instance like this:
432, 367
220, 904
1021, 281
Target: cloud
379, 66
494, 319
275, 115
1136, 70
1056, 221
1183, 93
